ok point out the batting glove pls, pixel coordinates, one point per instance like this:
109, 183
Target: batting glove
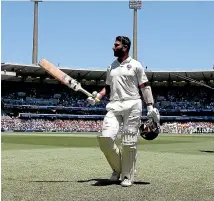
153, 114
91, 100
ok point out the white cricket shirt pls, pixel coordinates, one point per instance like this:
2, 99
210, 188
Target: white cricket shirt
124, 79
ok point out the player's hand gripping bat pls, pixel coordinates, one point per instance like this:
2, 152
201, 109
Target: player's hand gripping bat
63, 77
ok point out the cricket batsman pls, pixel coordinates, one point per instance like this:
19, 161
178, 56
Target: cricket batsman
124, 78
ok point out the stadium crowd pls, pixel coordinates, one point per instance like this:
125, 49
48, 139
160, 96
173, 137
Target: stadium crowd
31, 94
15, 124
172, 98
187, 128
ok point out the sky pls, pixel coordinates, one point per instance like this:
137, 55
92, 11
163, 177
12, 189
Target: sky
171, 35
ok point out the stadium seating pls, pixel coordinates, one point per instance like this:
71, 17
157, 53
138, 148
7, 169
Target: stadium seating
44, 125
172, 98
48, 107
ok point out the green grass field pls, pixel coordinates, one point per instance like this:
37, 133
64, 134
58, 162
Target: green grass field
63, 167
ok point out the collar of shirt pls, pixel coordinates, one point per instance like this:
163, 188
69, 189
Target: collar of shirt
125, 61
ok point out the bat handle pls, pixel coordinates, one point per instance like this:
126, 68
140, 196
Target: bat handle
88, 94
96, 99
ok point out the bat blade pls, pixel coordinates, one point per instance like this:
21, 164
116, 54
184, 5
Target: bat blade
56, 72
63, 77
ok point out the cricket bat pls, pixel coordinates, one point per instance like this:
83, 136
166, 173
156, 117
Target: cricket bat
63, 77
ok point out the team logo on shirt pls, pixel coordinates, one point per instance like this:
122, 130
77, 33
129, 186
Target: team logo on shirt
129, 66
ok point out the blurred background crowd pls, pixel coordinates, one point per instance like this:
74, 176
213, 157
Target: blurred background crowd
11, 124
168, 98
34, 98
187, 128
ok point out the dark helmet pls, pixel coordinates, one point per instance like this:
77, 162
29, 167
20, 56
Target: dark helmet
149, 130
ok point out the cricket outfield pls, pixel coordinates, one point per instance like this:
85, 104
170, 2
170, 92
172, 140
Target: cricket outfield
65, 167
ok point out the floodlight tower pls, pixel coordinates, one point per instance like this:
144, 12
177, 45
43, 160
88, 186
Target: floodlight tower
35, 32
135, 5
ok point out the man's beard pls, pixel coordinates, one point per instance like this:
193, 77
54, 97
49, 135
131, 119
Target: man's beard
119, 53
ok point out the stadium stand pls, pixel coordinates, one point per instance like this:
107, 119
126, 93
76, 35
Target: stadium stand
4, 115
36, 101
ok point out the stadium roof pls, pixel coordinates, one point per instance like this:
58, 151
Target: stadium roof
89, 74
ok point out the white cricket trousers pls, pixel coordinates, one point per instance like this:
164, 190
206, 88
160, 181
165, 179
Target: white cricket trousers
127, 113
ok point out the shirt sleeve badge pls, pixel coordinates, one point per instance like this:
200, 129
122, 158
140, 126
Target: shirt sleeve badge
129, 66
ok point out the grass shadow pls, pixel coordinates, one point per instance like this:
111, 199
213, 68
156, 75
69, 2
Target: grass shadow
49, 181
207, 151
107, 182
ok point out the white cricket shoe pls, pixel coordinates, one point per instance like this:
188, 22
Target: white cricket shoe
126, 182
115, 176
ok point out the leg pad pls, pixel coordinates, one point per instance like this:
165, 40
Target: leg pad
128, 155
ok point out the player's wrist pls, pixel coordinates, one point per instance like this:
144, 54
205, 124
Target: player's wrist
149, 107
99, 96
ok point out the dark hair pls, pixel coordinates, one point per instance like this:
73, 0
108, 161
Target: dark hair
125, 41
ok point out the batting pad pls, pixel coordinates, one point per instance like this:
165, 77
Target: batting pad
128, 155
111, 152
